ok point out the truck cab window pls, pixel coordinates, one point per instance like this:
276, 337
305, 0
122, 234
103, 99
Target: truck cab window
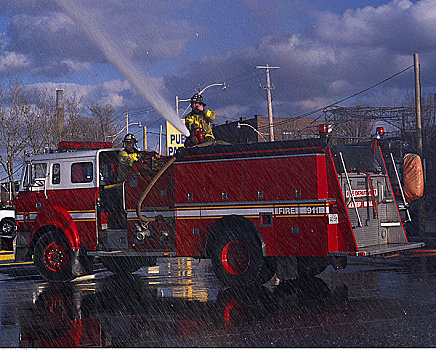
56, 171
35, 174
81, 172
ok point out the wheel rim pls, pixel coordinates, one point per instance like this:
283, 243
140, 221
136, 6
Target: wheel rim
7, 227
56, 256
235, 257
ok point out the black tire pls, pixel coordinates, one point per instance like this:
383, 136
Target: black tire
236, 254
53, 257
126, 265
7, 226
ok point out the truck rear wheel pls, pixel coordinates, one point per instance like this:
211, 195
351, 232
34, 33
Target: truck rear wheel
236, 256
53, 257
126, 265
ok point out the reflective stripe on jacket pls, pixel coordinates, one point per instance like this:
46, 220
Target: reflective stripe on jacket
125, 163
202, 121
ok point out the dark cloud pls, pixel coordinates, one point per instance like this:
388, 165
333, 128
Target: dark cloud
326, 57
336, 57
52, 41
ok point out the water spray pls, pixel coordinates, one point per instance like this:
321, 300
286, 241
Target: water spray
145, 86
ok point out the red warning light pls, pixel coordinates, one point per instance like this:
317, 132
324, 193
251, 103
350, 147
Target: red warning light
380, 131
325, 130
83, 145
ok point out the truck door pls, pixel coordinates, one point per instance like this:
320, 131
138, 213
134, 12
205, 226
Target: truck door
111, 209
82, 198
33, 192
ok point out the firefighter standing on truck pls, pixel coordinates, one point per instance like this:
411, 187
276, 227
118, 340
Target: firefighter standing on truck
198, 122
127, 157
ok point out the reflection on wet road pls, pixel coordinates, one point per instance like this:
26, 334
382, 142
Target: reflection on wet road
180, 303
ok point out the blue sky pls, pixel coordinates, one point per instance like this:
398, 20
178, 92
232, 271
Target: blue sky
326, 50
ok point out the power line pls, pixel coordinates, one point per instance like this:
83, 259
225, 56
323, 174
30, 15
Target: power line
340, 101
233, 81
7, 177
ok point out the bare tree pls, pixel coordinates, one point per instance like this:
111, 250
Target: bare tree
351, 122
14, 109
357, 128
428, 121
103, 116
31, 122
76, 126
48, 124
39, 126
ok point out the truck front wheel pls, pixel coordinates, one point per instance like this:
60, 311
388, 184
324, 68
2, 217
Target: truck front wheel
237, 258
53, 257
7, 226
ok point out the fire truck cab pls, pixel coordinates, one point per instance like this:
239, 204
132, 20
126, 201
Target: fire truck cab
70, 204
288, 208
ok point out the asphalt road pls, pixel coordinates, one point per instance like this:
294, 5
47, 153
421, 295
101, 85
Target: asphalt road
375, 302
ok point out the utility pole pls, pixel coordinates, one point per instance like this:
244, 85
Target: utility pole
127, 122
421, 208
418, 104
160, 140
59, 115
144, 138
268, 90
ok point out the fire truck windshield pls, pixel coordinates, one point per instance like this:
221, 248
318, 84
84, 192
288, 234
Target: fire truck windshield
356, 158
34, 174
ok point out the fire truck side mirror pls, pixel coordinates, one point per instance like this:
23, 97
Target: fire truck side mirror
38, 182
27, 175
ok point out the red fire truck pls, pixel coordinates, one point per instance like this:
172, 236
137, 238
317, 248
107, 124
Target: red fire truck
288, 208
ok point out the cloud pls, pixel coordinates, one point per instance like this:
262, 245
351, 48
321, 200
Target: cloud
230, 112
337, 56
400, 25
115, 92
76, 65
13, 61
57, 46
329, 55
53, 43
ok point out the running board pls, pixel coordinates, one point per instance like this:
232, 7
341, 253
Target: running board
381, 249
132, 253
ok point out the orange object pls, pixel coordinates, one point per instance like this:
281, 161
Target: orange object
413, 177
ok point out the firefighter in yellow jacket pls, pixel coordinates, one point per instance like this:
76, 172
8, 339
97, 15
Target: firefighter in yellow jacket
198, 122
127, 157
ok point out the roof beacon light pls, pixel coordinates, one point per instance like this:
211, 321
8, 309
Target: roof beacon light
380, 132
325, 130
82, 145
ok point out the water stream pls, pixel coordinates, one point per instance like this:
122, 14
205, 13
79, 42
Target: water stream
144, 85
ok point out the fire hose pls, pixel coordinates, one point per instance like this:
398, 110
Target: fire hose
158, 175
149, 187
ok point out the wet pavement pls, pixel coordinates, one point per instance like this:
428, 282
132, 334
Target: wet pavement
375, 302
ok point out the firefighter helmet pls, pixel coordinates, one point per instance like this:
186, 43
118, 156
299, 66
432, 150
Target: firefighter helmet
129, 138
197, 98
